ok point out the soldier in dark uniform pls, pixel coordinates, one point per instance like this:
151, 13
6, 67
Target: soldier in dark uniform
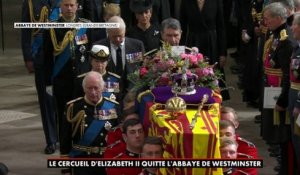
99, 56
249, 11
88, 119
148, 33
133, 134
65, 56
276, 61
32, 41
294, 92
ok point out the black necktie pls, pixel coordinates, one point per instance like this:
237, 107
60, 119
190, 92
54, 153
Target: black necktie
119, 62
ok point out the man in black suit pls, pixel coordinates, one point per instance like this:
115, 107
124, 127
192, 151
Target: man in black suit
126, 52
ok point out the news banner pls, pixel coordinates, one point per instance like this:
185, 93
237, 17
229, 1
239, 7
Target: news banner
157, 163
49, 25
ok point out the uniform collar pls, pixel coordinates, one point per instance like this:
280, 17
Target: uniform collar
61, 19
132, 154
91, 103
278, 29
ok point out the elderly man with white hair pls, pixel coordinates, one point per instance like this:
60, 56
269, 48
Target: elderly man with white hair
88, 119
276, 61
99, 57
125, 52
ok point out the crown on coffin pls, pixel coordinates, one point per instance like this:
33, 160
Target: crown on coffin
183, 83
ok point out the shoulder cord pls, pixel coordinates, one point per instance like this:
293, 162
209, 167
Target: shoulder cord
78, 118
43, 15
58, 48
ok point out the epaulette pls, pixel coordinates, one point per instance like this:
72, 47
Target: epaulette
115, 75
250, 144
114, 144
111, 100
84, 20
72, 101
119, 155
245, 155
283, 35
242, 172
81, 75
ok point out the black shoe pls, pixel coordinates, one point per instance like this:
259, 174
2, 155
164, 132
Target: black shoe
257, 119
50, 149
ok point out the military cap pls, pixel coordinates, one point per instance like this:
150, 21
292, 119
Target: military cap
99, 52
138, 6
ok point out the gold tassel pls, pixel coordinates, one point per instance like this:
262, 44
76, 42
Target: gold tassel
43, 15
79, 117
276, 120
267, 46
287, 118
58, 48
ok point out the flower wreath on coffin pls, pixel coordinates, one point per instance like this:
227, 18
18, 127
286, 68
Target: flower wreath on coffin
171, 72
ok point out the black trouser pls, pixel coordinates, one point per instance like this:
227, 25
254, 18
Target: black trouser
63, 93
46, 106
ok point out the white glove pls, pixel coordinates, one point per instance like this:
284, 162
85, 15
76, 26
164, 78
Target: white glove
245, 37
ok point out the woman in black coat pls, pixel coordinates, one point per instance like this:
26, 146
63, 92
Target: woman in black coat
204, 28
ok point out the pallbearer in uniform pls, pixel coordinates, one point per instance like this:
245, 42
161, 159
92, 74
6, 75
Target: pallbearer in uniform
152, 149
32, 42
228, 149
65, 56
133, 134
99, 56
114, 138
88, 119
245, 148
294, 93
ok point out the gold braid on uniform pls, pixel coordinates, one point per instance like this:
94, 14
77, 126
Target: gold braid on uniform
43, 15
253, 13
60, 47
267, 46
78, 118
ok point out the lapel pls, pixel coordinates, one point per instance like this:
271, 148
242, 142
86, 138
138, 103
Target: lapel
127, 46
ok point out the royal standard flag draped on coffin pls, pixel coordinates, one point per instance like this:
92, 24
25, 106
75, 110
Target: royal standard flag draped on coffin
182, 142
